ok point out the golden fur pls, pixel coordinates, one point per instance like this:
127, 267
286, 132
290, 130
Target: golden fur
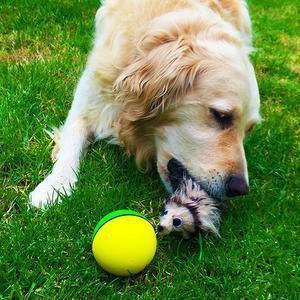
157, 70
162, 67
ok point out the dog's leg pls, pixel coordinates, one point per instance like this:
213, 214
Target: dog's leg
74, 139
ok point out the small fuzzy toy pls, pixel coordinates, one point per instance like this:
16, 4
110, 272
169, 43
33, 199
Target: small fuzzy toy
189, 209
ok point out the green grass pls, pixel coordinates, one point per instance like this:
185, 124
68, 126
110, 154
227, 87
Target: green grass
43, 48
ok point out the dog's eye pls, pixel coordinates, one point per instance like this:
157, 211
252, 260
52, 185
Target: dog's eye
223, 119
177, 222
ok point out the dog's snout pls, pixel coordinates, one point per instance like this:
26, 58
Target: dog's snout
236, 186
160, 228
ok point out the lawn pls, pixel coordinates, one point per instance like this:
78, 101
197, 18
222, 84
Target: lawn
43, 49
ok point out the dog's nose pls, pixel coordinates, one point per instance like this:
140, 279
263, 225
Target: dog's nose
160, 228
236, 186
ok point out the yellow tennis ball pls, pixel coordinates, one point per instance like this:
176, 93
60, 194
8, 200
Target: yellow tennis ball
124, 243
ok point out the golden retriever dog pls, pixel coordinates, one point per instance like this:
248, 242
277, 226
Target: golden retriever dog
165, 79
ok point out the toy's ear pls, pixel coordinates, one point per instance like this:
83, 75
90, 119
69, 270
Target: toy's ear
164, 69
177, 173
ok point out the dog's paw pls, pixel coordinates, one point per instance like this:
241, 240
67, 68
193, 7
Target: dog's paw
51, 190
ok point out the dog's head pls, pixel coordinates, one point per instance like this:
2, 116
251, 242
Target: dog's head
191, 94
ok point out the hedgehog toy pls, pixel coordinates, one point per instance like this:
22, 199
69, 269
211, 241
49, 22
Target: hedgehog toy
189, 208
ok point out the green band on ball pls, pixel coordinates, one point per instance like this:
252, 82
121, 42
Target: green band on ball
115, 214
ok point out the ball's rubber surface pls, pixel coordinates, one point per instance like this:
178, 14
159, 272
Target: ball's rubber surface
124, 244
115, 214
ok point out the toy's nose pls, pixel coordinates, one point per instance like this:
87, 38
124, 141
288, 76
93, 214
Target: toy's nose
160, 228
236, 186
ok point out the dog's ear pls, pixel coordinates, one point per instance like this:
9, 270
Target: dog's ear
165, 68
